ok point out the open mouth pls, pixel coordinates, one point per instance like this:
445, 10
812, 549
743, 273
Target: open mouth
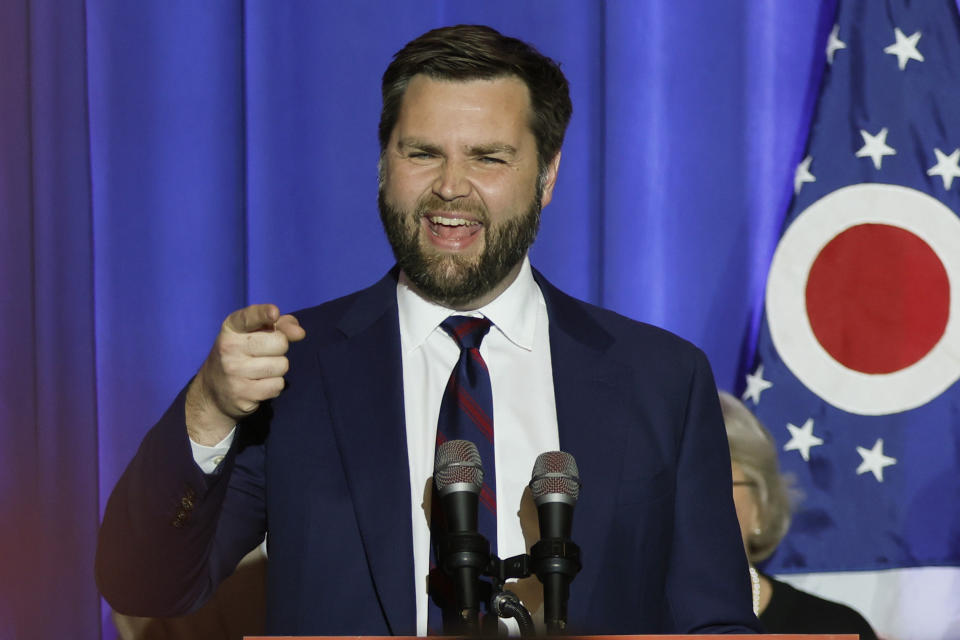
451, 229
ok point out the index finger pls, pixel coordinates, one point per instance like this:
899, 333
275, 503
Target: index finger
252, 318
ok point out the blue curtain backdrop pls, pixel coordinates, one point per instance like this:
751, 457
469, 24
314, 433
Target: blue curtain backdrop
163, 163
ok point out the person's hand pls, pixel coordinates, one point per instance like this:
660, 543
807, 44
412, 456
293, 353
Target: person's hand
244, 368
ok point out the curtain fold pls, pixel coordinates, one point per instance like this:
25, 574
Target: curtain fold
49, 372
17, 404
168, 174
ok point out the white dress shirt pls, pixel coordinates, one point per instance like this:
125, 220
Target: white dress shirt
517, 353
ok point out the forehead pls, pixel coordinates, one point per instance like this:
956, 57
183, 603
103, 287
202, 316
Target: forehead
495, 107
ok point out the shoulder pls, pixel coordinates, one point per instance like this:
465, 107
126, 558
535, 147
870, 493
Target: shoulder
794, 611
338, 318
619, 335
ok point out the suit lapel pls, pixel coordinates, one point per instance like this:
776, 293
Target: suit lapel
587, 386
366, 379
590, 387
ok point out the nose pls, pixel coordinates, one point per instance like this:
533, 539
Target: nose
451, 183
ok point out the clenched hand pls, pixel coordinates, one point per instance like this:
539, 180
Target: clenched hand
244, 368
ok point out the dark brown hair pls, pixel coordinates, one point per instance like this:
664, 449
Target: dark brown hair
474, 52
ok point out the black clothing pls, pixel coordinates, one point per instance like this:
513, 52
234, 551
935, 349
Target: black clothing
793, 611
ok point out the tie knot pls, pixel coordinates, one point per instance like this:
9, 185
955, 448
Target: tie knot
466, 330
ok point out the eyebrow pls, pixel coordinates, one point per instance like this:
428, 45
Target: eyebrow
476, 150
416, 143
494, 148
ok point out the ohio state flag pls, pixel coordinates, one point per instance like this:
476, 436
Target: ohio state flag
858, 356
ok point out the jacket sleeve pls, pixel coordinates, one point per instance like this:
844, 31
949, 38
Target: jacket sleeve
171, 533
708, 585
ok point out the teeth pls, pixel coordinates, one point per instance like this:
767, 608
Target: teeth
452, 222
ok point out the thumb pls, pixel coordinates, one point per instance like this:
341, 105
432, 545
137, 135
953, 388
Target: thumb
252, 318
290, 327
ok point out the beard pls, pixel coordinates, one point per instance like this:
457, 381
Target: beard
450, 279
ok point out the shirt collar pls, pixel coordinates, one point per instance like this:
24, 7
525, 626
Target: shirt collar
513, 312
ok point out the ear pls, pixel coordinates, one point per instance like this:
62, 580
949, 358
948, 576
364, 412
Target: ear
549, 180
755, 519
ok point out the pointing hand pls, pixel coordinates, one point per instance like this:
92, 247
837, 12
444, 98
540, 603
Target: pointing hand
245, 367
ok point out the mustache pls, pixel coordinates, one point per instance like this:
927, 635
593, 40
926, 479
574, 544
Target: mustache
431, 203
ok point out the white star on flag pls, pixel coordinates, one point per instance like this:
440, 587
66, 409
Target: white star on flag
802, 174
947, 167
755, 385
874, 461
875, 147
802, 439
834, 43
905, 48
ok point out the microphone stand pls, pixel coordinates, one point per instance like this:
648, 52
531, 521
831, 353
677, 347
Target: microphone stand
555, 561
464, 555
506, 604
503, 602
468, 554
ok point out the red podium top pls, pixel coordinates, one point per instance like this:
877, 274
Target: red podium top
767, 636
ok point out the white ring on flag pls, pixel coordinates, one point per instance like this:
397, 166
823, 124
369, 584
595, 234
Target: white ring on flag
855, 391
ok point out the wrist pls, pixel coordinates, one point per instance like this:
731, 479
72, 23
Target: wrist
206, 424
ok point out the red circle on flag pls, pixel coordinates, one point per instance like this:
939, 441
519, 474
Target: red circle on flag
878, 298
881, 219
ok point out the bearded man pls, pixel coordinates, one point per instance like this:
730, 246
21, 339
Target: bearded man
319, 428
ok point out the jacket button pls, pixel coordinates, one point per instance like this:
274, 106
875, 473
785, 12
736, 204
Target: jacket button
180, 520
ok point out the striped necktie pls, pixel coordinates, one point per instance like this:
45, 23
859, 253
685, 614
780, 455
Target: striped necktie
466, 413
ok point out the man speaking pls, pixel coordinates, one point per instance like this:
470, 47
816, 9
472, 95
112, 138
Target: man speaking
320, 428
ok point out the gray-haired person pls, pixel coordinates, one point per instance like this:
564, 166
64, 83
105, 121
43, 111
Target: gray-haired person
762, 499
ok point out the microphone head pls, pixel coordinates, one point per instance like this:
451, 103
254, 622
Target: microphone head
457, 467
555, 478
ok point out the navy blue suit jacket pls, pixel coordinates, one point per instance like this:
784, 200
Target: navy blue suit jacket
323, 468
